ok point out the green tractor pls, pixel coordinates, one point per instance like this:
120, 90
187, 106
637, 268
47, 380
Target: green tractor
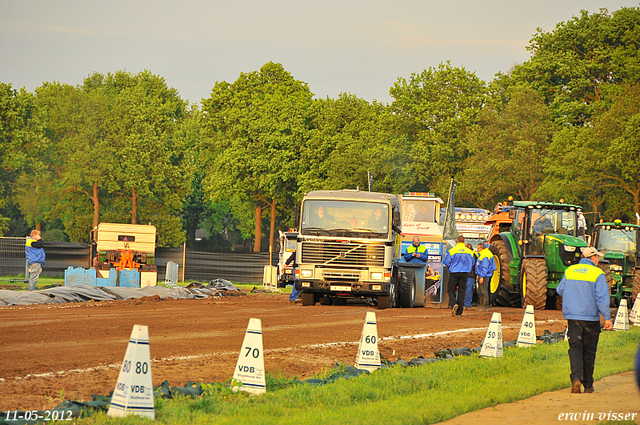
619, 241
532, 256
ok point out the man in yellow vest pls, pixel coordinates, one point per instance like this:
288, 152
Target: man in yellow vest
485, 266
585, 296
416, 253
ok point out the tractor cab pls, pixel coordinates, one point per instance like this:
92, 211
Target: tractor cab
618, 242
542, 242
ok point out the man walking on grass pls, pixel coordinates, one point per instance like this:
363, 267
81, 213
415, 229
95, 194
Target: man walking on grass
585, 296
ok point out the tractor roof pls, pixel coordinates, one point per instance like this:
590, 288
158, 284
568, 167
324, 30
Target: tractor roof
618, 224
549, 205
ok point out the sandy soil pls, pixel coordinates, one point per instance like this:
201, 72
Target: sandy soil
78, 347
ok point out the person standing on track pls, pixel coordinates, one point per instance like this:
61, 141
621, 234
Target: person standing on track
34, 251
585, 296
416, 253
459, 260
471, 280
485, 266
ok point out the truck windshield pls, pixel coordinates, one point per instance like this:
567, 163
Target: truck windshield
617, 240
345, 218
545, 221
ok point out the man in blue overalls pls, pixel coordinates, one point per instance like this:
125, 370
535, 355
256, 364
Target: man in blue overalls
459, 260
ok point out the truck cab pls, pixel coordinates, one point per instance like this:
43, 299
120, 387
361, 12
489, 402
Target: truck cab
347, 245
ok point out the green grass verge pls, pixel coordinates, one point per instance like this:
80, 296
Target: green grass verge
418, 395
18, 283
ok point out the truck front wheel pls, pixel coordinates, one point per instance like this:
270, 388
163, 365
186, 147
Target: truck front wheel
308, 298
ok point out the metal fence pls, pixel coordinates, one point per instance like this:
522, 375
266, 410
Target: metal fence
239, 267
13, 261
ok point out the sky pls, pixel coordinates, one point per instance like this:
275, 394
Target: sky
358, 47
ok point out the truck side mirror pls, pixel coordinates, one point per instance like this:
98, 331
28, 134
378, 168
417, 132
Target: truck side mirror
396, 217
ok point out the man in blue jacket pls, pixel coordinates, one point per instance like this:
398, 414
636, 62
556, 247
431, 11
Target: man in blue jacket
416, 253
459, 260
585, 296
34, 251
485, 266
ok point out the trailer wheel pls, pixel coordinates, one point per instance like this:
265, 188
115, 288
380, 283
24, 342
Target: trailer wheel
308, 298
407, 289
534, 283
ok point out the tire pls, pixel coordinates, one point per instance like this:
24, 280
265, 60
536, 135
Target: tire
504, 295
326, 300
636, 286
606, 268
407, 290
308, 299
383, 302
534, 283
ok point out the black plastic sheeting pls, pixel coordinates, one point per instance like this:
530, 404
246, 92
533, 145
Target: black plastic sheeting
246, 267
83, 293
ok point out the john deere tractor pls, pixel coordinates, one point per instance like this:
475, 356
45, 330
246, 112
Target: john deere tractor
532, 256
619, 243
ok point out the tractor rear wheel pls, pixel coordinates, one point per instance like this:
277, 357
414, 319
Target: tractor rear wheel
606, 268
503, 295
636, 286
534, 283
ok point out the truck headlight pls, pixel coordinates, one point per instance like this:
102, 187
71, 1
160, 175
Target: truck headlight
306, 273
376, 276
569, 248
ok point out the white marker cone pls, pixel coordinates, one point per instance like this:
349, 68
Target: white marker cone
527, 335
134, 389
368, 357
492, 344
622, 318
250, 367
634, 315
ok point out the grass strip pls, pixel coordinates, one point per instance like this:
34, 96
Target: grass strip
417, 395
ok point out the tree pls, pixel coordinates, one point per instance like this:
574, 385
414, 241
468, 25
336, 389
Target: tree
572, 65
508, 150
350, 138
21, 140
81, 156
254, 129
434, 110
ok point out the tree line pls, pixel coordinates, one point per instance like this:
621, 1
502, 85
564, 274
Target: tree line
125, 147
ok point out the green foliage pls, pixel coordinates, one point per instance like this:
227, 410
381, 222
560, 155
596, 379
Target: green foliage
572, 65
509, 149
435, 108
254, 129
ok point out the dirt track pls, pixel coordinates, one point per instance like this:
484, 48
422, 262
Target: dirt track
77, 347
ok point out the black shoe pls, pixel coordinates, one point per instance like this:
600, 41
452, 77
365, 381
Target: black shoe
576, 387
588, 390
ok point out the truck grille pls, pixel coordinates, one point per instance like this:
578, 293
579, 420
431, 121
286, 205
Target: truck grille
350, 254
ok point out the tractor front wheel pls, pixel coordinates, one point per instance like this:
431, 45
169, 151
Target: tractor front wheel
534, 283
502, 295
